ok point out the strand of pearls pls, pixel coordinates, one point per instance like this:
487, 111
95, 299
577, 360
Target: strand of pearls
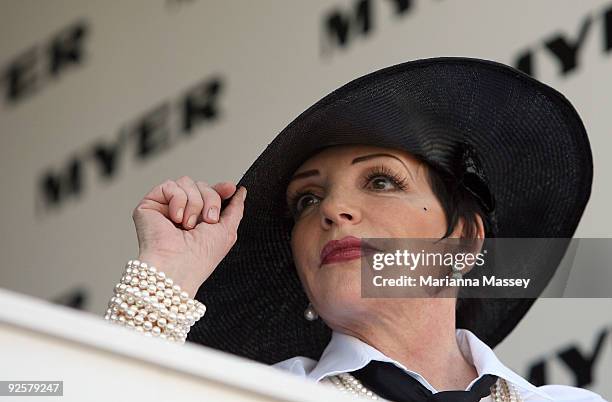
347, 383
501, 391
148, 301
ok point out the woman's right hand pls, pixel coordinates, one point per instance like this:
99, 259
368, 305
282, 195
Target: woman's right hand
177, 235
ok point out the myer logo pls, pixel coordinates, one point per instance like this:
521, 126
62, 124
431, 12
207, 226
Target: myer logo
579, 362
156, 130
31, 70
340, 27
565, 46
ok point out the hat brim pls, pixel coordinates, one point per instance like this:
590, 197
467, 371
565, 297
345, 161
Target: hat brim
531, 142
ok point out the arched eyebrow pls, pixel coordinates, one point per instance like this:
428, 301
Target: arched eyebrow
315, 172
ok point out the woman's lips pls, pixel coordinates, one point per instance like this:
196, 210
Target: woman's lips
345, 254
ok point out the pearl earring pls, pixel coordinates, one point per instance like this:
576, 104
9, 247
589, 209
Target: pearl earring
456, 272
310, 313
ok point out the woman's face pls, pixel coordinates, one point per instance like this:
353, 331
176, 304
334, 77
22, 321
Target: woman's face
362, 191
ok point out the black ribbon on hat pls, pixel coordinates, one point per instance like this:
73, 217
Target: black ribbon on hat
471, 175
391, 382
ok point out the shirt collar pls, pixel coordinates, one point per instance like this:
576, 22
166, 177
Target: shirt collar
346, 353
486, 362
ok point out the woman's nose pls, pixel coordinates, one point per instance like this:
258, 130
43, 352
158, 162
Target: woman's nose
337, 210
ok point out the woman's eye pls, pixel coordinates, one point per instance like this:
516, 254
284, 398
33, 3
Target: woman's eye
303, 202
380, 181
381, 177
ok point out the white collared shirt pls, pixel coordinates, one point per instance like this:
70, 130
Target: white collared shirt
346, 353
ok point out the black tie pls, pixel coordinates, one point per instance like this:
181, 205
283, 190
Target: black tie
391, 382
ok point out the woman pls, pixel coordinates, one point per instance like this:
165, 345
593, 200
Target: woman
453, 148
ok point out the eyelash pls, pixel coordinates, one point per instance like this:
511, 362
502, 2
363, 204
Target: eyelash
377, 171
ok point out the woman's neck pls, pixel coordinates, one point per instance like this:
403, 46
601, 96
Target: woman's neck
421, 337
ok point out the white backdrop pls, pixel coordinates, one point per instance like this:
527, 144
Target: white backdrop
102, 87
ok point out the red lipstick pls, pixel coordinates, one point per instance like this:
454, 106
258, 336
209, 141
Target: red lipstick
345, 249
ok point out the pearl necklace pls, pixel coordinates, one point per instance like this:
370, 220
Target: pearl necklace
347, 383
501, 391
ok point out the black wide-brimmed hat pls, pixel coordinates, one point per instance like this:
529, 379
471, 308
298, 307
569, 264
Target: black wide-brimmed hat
534, 175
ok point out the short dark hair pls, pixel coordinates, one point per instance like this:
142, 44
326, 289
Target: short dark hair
457, 202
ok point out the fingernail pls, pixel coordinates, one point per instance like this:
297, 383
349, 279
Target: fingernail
212, 213
192, 220
179, 214
244, 192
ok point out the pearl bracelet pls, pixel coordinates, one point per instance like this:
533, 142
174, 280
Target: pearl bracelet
148, 301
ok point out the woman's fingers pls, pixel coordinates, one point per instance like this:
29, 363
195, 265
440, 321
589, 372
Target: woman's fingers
232, 214
188, 202
194, 203
225, 189
212, 202
168, 199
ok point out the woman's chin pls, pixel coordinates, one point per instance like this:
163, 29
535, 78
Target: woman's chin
342, 294
337, 285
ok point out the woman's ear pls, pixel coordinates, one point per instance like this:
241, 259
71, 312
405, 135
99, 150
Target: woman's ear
463, 229
475, 238
479, 229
